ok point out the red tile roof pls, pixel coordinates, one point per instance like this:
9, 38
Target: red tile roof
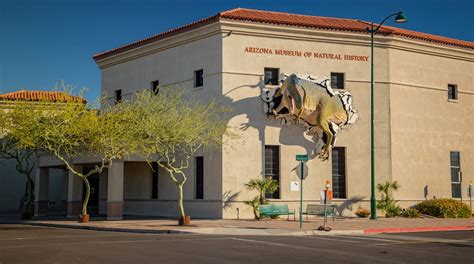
278, 18
41, 96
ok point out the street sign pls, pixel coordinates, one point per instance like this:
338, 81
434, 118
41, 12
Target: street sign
302, 157
305, 172
294, 186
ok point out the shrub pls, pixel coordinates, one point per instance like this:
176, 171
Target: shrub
444, 208
411, 213
392, 210
362, 212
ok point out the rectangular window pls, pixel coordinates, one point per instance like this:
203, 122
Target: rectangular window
271, 76
155, 86
339, 172
199, 178
154, 181
272, 168
455, 174
118, 96
452, 92
199, 78
337, 80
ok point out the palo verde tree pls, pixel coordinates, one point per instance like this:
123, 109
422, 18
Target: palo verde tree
24, 164
171, 129
69, 130
24, 160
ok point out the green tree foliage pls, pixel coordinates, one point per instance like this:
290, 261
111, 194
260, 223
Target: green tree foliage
25, 164
387, 203
69, 130
24, 158
170, 129
263, 186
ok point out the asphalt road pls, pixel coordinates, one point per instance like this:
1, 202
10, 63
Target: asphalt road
28, 244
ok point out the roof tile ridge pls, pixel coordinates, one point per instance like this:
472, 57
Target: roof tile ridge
293, 14
389, 30
222, 13
408, 31
170, 31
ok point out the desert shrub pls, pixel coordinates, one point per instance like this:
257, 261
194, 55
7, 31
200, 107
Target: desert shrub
362, 212
392, 210
444, 208
411, 213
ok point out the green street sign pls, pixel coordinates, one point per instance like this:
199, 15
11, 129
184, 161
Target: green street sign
302, 157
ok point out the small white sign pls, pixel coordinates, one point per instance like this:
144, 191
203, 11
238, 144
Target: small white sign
294, 186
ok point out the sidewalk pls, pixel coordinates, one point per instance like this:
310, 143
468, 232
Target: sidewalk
270, 227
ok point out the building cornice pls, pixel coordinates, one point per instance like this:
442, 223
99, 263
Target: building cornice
346, 38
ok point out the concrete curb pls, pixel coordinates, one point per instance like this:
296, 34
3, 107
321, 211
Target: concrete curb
418, 229
97, 228
202, 231
235, 231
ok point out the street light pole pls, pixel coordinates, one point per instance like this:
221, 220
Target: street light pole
400, 18
373, 201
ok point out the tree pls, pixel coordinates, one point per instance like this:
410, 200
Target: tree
263, 186
171, 129
25, 164
69, 130
24, 159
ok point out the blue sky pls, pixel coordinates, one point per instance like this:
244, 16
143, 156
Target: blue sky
45, 41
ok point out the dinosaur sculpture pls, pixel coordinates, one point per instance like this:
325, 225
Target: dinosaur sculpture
310, 101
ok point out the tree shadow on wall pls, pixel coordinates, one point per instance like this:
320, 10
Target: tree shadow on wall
348, 204
228, 198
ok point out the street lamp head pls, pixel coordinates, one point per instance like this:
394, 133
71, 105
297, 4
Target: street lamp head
400, 18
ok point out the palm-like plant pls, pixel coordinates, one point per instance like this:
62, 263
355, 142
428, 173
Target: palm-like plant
387, 203
263, 186
255, 204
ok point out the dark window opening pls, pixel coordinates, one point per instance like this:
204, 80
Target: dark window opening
271, 76
339, 172
118, 96
272, 168
155, 86
199, 178
337, 80
154, 181
452, 92
199, 78
456, 179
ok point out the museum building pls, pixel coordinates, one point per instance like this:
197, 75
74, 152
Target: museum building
424, 127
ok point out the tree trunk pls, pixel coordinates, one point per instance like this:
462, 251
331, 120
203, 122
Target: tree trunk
29, 194
180, 200
262, 197
86, 198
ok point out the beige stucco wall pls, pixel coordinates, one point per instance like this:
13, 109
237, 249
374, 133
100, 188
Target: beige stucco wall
172, 62
415, 125
242, 75
425, 125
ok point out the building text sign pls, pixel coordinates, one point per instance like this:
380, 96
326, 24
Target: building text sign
306, 54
